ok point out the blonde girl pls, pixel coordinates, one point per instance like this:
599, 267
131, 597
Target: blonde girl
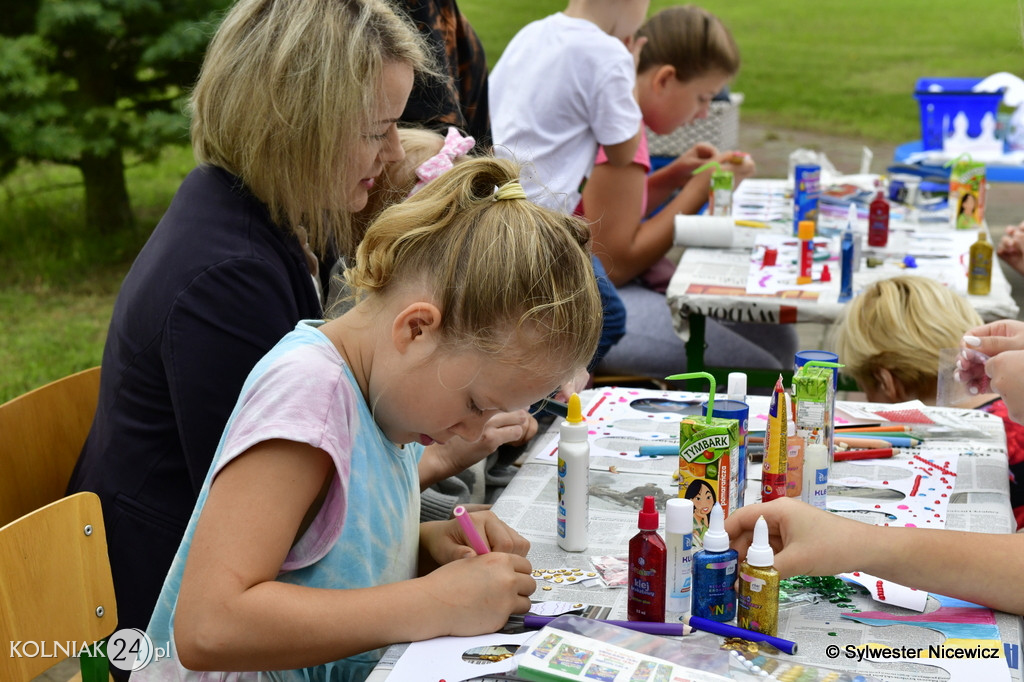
305, 550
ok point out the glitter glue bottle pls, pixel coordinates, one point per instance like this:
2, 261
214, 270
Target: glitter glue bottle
714, 573
815, 490
647, 561
878, 220
979, 270
679, 541
573, 479
758, 608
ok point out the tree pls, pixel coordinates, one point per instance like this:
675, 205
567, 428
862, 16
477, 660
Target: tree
84, 81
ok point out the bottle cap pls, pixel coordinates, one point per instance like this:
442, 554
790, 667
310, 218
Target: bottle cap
982, 236
760, 552
574, 428
715, 538
679, 516
737, 386
648, 515
805, 229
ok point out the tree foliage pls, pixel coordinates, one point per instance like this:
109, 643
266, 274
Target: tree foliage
84, 81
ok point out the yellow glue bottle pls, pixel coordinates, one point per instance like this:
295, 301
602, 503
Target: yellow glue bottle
758, 607
979, 272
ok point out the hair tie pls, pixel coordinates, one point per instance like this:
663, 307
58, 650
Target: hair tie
455, 145
510, 190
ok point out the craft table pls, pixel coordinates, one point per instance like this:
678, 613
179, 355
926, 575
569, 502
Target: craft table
713, 282
978, 501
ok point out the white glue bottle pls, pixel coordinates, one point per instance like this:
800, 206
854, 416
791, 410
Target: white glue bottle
573, 479
679, 573
816, 473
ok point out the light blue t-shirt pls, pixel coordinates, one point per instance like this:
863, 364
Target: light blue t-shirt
366, 532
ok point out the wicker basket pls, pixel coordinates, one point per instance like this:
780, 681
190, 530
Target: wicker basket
721, 128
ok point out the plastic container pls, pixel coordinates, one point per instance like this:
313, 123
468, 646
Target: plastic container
941, 99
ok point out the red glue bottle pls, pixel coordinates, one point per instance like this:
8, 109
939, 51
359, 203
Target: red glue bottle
647, 555
878, 220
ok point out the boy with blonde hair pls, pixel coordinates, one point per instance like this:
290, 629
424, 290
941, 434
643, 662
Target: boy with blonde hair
563, 86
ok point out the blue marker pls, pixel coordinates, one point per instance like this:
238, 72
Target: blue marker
848, 252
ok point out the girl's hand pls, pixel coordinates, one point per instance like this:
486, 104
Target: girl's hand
441, 461
806, 540
445, 542
740, 163
692, 159
477, 595
1011, 247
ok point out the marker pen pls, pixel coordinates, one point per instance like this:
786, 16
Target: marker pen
470, 531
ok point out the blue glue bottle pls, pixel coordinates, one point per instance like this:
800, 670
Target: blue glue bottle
714, 572
848, 258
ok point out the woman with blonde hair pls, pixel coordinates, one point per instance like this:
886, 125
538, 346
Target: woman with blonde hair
293, 117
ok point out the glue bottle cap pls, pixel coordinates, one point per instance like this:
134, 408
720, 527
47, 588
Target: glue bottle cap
715, 538
648, 519
805, 229
760, 552
737, 386
679, 516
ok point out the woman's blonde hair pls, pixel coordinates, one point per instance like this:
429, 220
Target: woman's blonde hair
691, 39
901, 324
287, 91
495, 266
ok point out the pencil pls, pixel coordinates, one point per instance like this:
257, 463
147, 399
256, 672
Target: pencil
872, 427
469, 530
880, 453
750, 223
876, 442
887, 435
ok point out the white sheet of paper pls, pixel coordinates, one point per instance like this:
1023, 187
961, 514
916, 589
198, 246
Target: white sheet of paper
891, 593
441, 659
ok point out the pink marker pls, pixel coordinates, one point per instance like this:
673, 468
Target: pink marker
469, 530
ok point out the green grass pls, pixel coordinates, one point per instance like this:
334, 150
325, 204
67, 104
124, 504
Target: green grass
828, 66
816, 65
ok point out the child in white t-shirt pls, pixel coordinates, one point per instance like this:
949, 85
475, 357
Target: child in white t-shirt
563, 86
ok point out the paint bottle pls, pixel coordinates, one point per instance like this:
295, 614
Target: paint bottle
758, 608
815, 490
573, 479
847, 258
720, 197
679, 573
794, 461
858, 238
878, 220
979, 272
737, 390
805, 233
714, 573
647, 561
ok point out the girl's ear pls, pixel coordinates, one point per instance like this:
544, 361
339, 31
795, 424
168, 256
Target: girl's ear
891, 387
418, 323
663, 76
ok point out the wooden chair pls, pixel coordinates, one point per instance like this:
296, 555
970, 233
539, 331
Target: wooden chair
41, 436
55, 588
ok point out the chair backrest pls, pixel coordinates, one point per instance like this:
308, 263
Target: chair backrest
41, 436
55, 585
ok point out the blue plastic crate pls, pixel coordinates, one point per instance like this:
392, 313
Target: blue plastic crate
941, 99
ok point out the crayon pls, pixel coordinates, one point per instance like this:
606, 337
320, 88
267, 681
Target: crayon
847, 455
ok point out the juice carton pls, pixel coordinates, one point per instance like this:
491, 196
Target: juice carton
709, 450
